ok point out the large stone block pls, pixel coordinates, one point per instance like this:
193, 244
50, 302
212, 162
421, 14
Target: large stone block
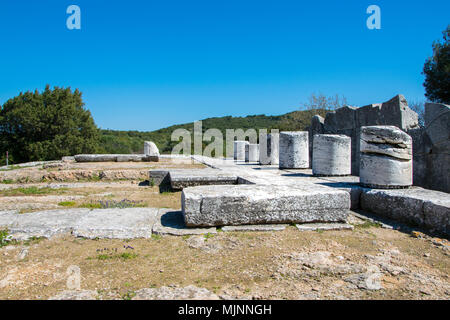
294, 150
96, 158
263, 204
331, 155
386, 157
416, 206
150, 149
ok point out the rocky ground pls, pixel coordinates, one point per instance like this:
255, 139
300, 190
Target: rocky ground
368, 262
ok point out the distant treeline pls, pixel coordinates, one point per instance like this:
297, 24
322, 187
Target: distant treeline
113, 141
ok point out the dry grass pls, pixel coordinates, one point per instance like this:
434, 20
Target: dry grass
241, 264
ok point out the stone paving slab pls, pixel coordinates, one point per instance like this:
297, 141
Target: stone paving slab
171, 222
422, 207
127, 223
258, 227
258, 204
323, 226
186, 178
46, 224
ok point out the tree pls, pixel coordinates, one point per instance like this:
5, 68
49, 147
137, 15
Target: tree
320, 101
46, 126
437, 71
419, 108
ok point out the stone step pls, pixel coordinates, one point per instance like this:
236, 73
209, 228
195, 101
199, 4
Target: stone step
263, 204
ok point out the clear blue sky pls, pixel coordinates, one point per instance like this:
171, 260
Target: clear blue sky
143, 65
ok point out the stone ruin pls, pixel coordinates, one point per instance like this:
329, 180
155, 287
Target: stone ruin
151, 154
430, 144
360, 158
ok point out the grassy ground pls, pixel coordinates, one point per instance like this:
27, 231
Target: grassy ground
237, 264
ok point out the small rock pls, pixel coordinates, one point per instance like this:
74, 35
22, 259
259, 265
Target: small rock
22, 254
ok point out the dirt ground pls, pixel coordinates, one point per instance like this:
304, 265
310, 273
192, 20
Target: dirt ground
369, 262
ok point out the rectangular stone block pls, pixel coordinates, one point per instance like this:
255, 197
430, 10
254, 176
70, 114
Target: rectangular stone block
416, 206
263, 204
183, 179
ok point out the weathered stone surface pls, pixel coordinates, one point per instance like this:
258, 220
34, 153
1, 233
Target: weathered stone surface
239, 150
317, 127
261, 204
386, 157
171, 222
348, 120
95, 157
417, 206
269, 149
127, 223
159, 177
255, 227
150, 149
114, 158
129, 158
432, 149
331, 155
294, 150
369, 280
175, 293
46, 224
186, 178
324, 226
251, 152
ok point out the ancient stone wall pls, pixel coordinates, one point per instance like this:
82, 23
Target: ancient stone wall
348, 121
431, 149
431, 144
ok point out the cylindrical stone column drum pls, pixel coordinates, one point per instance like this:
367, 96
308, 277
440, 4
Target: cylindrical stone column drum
385, 158
294, 150
239, 150
331, 155
251, 152
269, 149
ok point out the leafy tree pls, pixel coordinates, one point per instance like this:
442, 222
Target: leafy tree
46, 126
437, 71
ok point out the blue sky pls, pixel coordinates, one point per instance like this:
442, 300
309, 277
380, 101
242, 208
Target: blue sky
143, 65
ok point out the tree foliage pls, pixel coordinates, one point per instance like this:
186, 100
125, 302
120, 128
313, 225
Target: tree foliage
437, 71
46, 126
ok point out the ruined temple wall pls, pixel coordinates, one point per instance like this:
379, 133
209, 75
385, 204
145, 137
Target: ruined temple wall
348, 121
431, 144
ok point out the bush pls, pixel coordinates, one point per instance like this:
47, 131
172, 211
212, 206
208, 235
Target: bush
46, 126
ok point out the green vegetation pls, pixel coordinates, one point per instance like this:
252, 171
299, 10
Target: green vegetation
5, 238
46, 126
437, 71
7, 181
31, 191
112, 141
122, 256
67, 204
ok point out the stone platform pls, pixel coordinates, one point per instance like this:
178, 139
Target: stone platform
255, 183
260, 204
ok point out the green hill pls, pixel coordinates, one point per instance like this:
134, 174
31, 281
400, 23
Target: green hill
113, 141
